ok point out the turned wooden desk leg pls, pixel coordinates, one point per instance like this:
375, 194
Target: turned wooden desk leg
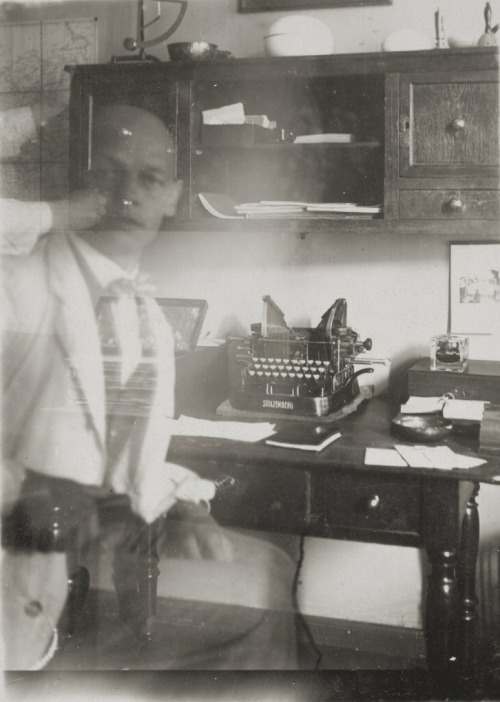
441, 611
469, 549
135, 575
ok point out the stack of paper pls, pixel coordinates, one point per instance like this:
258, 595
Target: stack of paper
235, 431
423, 405
270, 207
344, 208
224, 207
467, 410
334, 138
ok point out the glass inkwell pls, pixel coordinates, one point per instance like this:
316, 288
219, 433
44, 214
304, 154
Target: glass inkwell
449, 353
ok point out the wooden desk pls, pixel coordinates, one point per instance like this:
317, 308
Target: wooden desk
334, 495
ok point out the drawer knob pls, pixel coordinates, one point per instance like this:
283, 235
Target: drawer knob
455, 204
457, 125
372, 502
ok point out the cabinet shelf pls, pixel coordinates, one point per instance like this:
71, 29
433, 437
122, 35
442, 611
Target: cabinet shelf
287, 146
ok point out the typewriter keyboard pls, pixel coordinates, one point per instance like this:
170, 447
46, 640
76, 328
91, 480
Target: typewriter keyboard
296, 377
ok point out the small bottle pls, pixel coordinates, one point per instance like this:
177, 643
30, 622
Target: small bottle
449, 353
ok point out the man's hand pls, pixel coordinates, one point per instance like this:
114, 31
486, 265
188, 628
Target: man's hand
192, 532
82, 210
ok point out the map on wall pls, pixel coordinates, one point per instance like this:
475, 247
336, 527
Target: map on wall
32, 60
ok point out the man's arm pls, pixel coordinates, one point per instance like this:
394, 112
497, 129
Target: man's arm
22, 223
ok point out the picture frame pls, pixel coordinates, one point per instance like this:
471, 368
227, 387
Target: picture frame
475, 288
185, 317
276, 5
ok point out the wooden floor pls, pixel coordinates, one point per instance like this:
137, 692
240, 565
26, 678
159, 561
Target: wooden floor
114, 666
117, 667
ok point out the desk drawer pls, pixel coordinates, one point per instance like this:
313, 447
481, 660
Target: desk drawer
366, 506
449, 204
274, 499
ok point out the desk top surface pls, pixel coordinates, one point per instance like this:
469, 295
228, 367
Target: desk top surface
369, 426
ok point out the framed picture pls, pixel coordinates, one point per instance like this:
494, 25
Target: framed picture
270, 5
185, 317
475, 288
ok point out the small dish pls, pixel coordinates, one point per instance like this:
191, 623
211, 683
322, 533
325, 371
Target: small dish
191, 51
425, 428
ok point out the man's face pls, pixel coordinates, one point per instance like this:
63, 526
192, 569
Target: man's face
133, 168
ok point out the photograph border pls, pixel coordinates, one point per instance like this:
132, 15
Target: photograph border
479, 317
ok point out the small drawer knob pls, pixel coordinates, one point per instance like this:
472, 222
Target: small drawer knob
372, 502
457, 125
455, 204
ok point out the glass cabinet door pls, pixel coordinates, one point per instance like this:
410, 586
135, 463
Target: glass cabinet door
313, 139
155, 96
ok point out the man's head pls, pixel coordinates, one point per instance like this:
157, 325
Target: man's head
133, 167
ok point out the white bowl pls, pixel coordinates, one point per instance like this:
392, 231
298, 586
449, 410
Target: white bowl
298, 35
295, 45
456, 42
407, 40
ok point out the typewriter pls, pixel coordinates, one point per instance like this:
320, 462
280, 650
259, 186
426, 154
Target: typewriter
300, 371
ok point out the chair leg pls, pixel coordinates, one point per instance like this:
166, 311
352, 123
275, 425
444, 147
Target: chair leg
78, 586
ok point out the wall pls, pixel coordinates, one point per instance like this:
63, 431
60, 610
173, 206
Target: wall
396, 286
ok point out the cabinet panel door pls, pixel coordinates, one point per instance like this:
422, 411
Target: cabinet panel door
449, 124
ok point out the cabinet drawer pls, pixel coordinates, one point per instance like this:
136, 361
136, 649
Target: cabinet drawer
261, 498
449, 204
358, 504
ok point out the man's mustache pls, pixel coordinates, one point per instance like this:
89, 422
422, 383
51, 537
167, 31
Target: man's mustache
117, 220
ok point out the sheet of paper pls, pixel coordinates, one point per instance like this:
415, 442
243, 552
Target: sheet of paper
228, 114
383, 457
440, 457
236, 431
415, 456
471, 410
422, 405
468, 461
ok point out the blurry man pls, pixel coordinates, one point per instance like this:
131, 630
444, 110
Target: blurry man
82, 343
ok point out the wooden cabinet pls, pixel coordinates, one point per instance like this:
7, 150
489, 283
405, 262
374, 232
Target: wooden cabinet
448, 147
422, 144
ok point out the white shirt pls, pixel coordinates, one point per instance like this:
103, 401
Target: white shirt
125, 312
172, 482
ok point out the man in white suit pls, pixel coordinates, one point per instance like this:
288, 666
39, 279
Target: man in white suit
60, 418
